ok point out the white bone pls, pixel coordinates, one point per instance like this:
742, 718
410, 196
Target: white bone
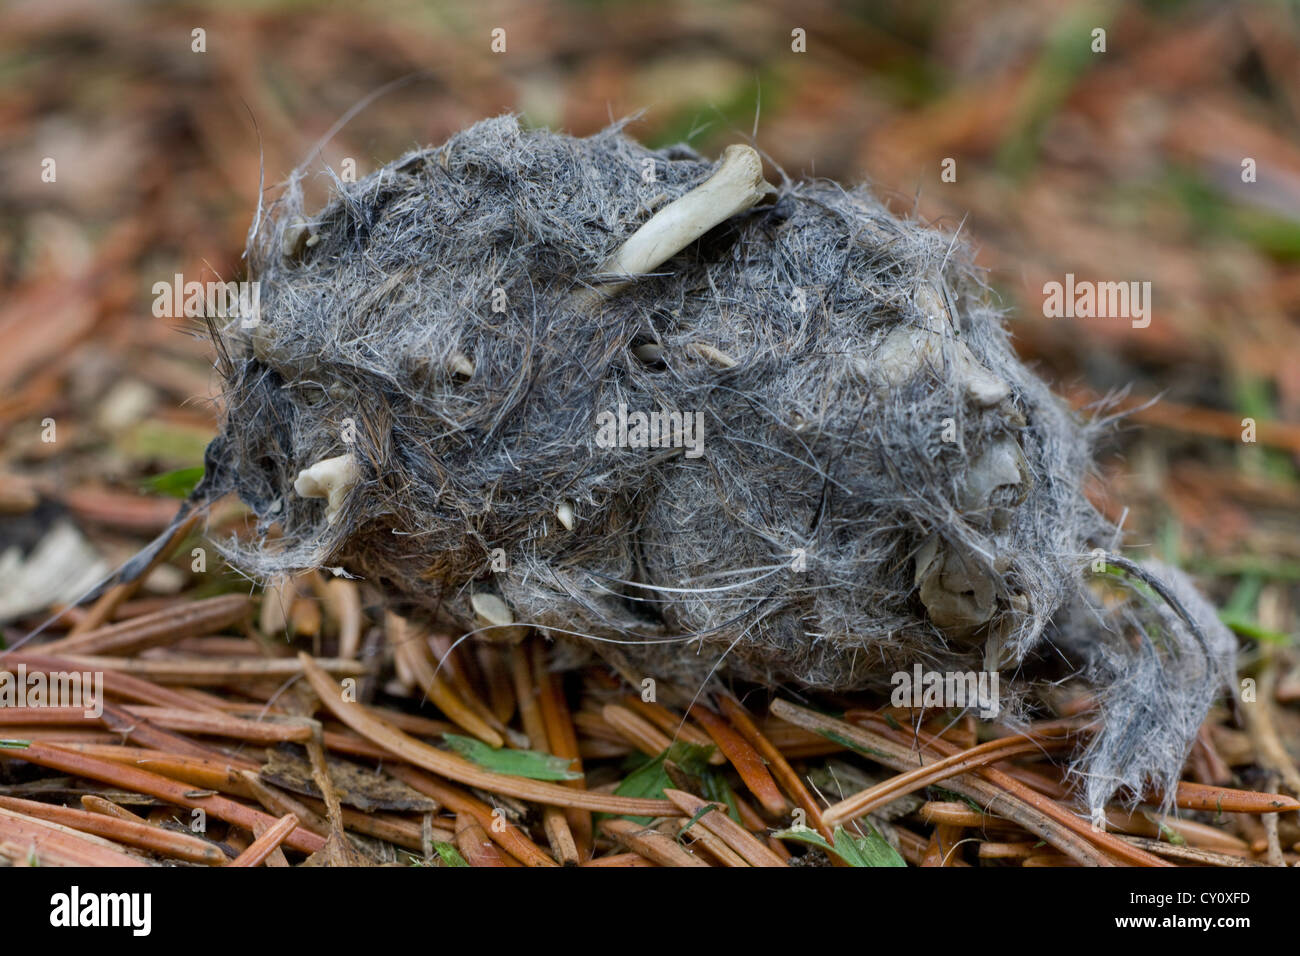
713, 356
331, 479
735, 185
564, 511
907, 350
461, 365
492, 612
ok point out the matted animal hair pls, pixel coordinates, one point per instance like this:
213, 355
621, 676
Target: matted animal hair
881, 480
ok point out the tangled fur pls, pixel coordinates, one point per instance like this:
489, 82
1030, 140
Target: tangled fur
882, 482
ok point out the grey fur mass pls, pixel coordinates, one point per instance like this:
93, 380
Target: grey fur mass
882, 481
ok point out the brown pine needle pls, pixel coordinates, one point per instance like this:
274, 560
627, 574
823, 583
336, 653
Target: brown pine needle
674, 726
345, 605
945, 813
620, 860
143, 733
716, 821
941, 850
1044, 805
712, 846
410, 647
97, 804
456, 665
885, 750
747, 761
269, 841
1191, 854
194, 619
508, 836
210, 672
776, 763
155, 785
25, 839
562, 741
636, 730
474, 845
200, 773
501, 696
1007, 851
1199, 796
116, 683
888, 790
137, 833
558, 832
650, 843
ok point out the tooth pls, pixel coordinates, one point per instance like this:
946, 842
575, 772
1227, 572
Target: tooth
492, 612
736, 185
900, 357
982, 386
331, 479
564, 511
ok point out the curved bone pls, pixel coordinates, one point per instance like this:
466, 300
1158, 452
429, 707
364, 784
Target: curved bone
736, 185
331, 479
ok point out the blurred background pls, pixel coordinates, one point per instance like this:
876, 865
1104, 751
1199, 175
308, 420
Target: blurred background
130, 149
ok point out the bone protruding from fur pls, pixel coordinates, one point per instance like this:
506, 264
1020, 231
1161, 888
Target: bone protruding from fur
331, 479
998, 466
712, 355
564, 512
461, 365
736, 185
495, 616
958, 595
907, 350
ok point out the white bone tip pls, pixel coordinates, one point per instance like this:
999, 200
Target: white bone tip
331, 479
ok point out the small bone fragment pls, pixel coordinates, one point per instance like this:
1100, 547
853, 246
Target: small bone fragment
564, 511
494, 614
713, 356
331, 479
460, 364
